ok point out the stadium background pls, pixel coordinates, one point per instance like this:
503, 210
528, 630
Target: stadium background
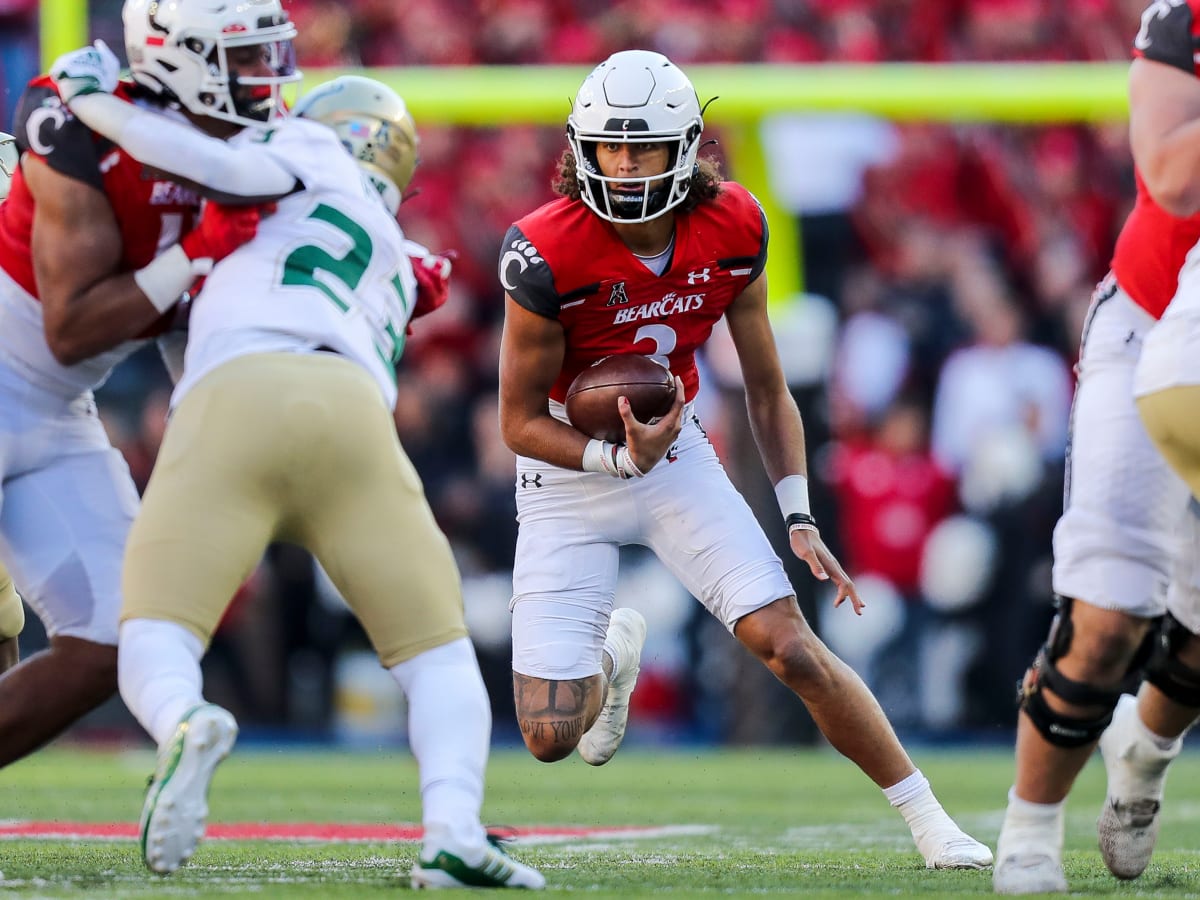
937, 230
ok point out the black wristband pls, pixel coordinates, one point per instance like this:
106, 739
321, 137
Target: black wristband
800, 520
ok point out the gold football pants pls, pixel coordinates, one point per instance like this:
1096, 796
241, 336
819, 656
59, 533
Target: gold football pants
1171, 420
296, 448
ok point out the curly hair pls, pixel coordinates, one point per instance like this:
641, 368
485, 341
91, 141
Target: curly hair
705, 186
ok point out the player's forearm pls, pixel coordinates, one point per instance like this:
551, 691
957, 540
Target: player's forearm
779, 434
543, 437
226, 173
109, 313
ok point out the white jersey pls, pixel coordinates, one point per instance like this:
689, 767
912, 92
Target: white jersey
328, 269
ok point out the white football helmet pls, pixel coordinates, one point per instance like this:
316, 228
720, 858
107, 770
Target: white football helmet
9, 155
374, 124
635, 96
179, 50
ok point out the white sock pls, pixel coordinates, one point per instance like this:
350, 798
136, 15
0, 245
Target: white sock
1035, 825
158, 672
449, 728
911, 788
914, 799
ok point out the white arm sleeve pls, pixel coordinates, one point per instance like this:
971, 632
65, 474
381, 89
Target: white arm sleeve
233, 173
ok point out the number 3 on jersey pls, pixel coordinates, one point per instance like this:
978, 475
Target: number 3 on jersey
302, 265
664, 338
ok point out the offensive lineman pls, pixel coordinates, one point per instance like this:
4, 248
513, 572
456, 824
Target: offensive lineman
282, 430
643, 252
1113, 544
79, 231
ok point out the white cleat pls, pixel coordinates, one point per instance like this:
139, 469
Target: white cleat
1137, 770
626, 635
176, 806
1029, 872
447, 867
957, 851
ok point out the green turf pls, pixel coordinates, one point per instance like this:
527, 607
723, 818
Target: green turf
786, 824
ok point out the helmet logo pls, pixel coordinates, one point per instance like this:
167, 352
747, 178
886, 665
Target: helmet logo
152, 20
625, 125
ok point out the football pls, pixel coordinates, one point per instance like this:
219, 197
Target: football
592, 396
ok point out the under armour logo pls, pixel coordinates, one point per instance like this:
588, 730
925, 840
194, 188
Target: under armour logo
534, 480
694, 277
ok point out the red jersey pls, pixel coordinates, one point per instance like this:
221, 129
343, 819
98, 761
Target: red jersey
151, 213
564, 262
1153, 244
1150, 252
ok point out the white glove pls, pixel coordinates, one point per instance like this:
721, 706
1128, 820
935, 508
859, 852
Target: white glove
88, 70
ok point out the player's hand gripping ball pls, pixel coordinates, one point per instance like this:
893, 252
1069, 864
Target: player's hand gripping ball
592, 396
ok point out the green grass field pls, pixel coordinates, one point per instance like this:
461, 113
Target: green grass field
777, 823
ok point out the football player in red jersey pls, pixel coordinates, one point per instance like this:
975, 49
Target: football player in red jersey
95, 251
644, 252
1113, 544
12, 610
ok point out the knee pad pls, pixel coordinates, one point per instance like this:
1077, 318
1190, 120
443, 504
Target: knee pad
1058, 728
1177, 681
12, 610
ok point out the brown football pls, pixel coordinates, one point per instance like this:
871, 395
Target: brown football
592, 396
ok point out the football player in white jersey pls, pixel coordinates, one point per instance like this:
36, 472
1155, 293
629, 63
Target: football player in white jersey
12, 610
282, 430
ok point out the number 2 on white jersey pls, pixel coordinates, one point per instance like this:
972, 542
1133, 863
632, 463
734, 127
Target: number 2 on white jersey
303, 263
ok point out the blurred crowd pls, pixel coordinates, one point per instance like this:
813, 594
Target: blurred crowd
931, 354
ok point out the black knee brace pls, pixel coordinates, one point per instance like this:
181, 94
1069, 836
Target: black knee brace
1177, 681
1057, 728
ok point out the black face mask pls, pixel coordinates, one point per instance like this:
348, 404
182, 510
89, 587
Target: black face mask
247, 105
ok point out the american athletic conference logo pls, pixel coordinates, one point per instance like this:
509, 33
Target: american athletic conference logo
618, 295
